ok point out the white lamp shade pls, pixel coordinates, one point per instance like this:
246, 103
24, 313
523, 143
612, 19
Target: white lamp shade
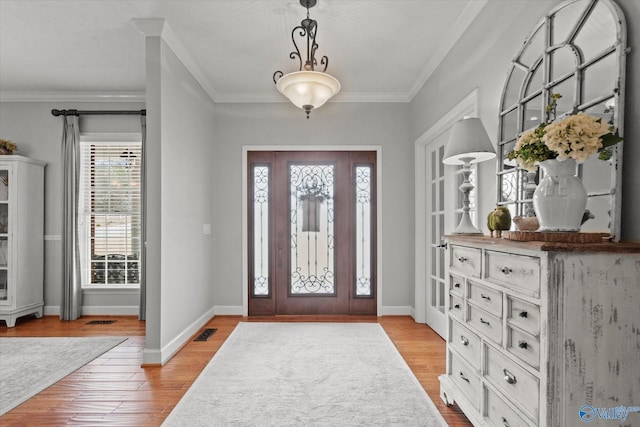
308, 88
469, 141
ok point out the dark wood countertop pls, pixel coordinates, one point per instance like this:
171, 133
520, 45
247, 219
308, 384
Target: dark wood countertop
501, 243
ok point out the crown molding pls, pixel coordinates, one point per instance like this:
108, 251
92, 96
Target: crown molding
73, 96
458, 28
391, 97
158, 27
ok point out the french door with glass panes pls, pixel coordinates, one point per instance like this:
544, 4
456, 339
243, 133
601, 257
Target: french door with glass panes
443, 212
311, 232
436, 217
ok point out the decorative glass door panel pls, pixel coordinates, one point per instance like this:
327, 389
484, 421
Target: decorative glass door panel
260, 200
364, 232
4, 237
312, 253
312, 233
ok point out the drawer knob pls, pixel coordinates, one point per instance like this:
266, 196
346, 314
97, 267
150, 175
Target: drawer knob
505, 270
523, 314
457, 306
485, 297
463, 377
464, 340
523, 345
484, 321
509, 377
456, 285
462, 259
505, 422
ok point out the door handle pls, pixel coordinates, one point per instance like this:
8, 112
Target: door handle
280, 247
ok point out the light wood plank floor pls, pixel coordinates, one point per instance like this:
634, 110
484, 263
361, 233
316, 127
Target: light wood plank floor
114, 390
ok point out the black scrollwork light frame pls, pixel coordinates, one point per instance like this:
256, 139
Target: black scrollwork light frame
307, 29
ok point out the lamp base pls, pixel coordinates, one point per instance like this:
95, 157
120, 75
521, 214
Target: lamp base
466, 226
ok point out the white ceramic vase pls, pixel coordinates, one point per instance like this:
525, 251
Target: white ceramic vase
560, 198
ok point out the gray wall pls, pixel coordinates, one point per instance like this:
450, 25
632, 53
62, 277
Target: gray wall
180, 201
339, 124
187, 186
480, 60
38, 134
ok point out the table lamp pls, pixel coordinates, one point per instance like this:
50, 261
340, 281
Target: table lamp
468, 144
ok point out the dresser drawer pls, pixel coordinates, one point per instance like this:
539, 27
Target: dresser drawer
466, 260
466, 343
489, 299
499, 411
515, 271
513, 380
466, 379
486, 323
456, 307
524, 345
456, 285
524, 315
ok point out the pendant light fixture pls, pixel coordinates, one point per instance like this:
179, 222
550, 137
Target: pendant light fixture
307, 88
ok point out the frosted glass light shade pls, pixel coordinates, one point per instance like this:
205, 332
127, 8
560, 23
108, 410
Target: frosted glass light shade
468, 140
308, 88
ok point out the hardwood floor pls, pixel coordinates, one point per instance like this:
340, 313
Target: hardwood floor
114, 390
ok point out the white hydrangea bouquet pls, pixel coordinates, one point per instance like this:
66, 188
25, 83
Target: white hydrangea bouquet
577, 136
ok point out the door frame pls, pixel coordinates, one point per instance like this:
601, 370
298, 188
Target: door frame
245, 213
467, 107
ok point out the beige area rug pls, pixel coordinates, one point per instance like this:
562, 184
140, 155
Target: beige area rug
29, 365
306, 374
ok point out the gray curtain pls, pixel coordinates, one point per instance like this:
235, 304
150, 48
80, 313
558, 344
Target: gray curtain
71, 280
142, 315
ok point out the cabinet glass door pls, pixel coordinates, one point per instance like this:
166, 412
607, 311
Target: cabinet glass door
4, 236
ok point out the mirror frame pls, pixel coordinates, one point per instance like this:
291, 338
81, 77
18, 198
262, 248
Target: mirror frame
519, 182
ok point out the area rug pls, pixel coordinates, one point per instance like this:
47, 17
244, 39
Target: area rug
306, 374
29, 365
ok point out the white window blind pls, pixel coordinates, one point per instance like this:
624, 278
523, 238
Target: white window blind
110, 213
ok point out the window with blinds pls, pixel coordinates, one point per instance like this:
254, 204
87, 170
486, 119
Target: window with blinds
110, 213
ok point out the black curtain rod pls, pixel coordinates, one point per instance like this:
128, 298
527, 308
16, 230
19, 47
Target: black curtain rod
98, 113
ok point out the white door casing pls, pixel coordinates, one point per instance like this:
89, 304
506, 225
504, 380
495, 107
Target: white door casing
436, 196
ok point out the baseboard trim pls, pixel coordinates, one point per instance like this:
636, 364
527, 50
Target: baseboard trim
227, 310
110, 310
400, 310
97, 310
52, 310
151, 357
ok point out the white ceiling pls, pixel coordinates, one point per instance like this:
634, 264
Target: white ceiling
380, 50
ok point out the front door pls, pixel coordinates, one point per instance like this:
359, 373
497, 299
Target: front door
311, 233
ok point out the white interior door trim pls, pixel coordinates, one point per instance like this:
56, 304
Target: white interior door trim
467, 107
245, 220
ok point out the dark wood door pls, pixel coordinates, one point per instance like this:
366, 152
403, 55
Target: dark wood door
312, 233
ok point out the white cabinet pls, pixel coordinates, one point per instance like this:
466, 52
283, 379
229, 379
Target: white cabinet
21, 237
539, 331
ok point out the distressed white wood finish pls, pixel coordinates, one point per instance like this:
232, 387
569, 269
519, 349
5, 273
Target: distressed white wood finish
572, 341
25, 270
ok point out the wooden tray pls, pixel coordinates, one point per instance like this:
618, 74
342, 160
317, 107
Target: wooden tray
555, 236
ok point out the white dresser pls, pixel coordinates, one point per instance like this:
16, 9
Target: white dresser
537, 331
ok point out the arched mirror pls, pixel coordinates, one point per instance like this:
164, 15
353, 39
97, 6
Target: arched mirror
578, 51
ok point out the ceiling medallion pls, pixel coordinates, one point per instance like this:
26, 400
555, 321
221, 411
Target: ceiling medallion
307, 88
